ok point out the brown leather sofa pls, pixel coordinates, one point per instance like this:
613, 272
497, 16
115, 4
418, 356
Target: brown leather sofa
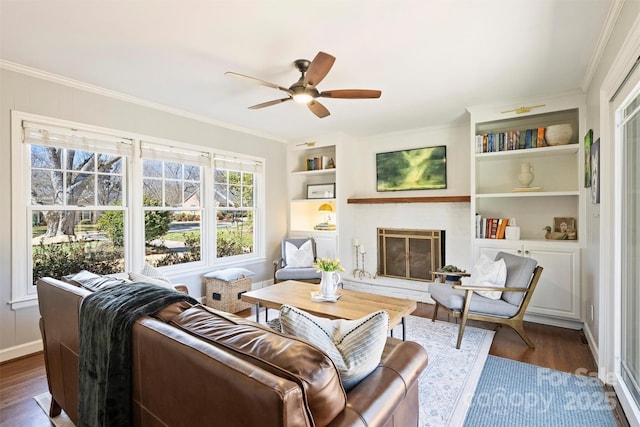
194, 366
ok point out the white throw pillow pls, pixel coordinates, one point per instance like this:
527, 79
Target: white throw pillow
137, 277
355, 346
298, 257
487, 272
152, 272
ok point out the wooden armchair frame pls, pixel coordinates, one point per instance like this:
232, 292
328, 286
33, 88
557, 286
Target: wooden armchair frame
516, 321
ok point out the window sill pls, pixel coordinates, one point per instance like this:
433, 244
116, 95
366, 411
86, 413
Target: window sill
24, 302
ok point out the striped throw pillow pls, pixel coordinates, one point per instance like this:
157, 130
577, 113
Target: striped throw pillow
355, 346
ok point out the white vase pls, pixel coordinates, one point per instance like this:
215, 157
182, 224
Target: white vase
558, 134
329, 283
526, 174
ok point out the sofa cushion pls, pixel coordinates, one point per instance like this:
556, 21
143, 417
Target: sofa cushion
355, 346
93, 281
152, 272
286, 356
138, 277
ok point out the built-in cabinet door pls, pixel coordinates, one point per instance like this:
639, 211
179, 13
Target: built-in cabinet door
557, 293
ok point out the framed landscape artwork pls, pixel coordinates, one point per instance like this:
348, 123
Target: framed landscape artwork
413, 169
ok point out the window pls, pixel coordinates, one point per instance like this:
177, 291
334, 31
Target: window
94, 203
234, 212
172, 212
76, 201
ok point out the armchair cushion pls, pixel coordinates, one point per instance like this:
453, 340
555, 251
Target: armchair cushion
308, 273
519, 271
296, 257
490, 273
454, 300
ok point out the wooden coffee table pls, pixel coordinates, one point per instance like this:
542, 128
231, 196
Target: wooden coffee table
352, 305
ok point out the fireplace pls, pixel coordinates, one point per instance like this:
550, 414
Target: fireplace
410, 254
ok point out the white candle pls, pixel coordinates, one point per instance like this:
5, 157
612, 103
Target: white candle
361, 249
356, 242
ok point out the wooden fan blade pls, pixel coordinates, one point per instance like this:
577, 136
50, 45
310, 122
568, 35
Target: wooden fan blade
351, 93
318, 109
269, 103
318, 68
254, 80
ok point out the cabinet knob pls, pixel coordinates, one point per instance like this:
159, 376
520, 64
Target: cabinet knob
526, 252
519, 251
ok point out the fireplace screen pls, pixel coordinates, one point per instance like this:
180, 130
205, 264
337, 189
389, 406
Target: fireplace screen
410, 254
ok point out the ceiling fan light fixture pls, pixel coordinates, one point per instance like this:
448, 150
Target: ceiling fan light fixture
302, 98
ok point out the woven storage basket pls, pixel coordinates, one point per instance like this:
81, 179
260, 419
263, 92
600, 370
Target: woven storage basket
225, 296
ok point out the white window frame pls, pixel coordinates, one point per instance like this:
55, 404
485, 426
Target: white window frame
23, 292
241, 209
170, 151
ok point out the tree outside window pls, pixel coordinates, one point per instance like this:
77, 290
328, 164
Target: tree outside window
171, 201
70, 191
235, 212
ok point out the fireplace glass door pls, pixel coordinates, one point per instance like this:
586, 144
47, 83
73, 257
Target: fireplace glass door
410, 254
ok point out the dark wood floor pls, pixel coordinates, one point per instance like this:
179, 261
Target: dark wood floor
557, 348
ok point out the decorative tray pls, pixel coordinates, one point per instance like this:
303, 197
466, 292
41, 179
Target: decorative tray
317, 297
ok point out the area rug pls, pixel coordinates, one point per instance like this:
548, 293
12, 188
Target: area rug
447, 385
44, 401
451, 376
515, 394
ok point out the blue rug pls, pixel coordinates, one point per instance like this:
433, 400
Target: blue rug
514, 394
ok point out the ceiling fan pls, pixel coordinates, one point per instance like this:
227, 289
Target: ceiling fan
304, 91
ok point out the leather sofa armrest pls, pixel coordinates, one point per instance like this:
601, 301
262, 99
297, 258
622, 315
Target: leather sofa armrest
375, 400
182, 288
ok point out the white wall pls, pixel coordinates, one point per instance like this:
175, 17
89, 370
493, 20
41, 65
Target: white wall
452, 217
602, 272
591, 258
39, 96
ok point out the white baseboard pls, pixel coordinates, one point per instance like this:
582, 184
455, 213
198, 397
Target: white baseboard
260, 285
593, 345
21, 350
553, 321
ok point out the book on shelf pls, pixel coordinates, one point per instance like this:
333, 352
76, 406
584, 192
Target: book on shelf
491, 142
541, 140
491, 228
325, 227
317, 163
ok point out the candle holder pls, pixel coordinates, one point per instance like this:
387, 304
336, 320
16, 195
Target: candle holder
360, 272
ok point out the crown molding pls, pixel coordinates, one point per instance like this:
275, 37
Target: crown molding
605, 34
76, 84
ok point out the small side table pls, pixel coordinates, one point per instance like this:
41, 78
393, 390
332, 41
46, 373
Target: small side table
441, 276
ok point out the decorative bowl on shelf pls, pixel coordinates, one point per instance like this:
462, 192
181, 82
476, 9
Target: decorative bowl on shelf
558, 134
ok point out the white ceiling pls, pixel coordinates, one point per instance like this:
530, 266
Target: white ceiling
430, 58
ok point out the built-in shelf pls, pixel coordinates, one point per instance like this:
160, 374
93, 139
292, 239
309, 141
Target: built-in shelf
527, 194
316, 172
433, 199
